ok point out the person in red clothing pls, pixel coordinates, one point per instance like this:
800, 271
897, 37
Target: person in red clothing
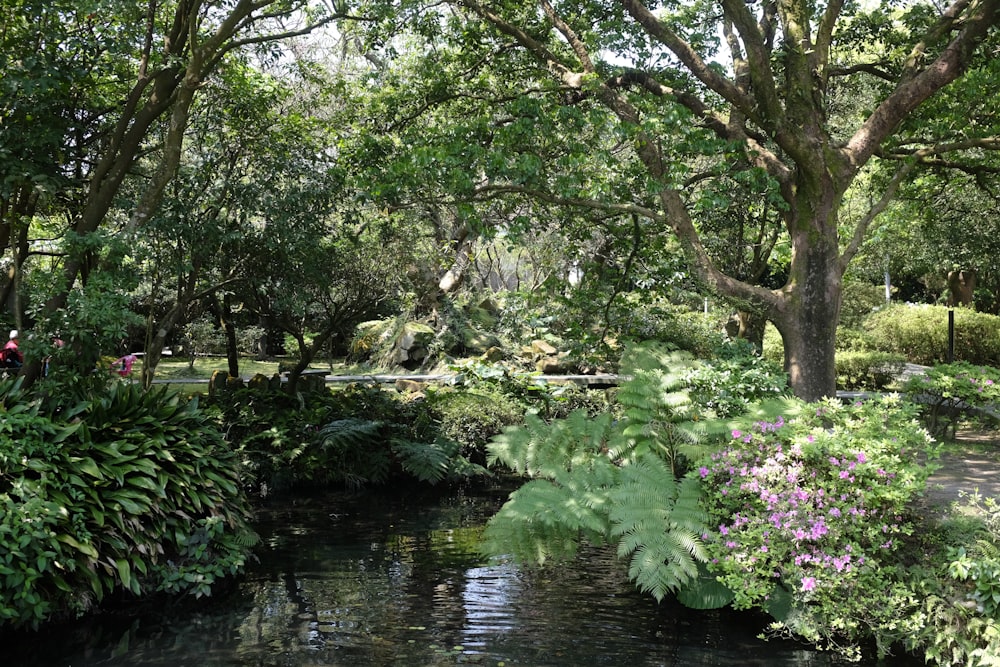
12, 357
124, 364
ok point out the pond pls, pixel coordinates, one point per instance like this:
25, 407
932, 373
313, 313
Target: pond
377, 579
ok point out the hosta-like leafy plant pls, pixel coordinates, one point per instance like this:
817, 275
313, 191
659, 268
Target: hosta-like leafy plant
129, 491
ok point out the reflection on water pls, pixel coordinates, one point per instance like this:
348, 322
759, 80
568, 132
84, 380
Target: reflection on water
375, 580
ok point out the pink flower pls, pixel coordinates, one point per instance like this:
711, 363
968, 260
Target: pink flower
808, 583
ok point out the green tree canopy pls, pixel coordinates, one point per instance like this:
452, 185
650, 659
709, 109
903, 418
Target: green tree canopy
767, 86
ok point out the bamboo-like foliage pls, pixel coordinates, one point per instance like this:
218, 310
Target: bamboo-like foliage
597, 480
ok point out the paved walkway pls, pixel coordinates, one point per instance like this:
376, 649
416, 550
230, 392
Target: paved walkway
977, 469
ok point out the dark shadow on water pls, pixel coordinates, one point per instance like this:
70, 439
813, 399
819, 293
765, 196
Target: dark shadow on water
377, 579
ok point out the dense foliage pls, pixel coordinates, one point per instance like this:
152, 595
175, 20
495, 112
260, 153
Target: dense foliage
355, 437
949, 393
127, 493
868, 369
806, 511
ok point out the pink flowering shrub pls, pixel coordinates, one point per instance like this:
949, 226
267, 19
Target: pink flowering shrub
949, 391
809, 514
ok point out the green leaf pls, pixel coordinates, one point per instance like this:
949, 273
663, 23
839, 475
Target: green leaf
89, 466
704, 592
84, 548
125, 573
779, 603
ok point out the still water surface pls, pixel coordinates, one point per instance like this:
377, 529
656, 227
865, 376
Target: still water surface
381, 580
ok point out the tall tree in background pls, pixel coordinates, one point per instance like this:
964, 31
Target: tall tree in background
773, 101
149, 63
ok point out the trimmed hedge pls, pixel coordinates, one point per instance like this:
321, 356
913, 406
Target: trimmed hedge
867, 370
920, 333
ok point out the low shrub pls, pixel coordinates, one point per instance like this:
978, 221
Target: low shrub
920, 333
868, 370
129, 492
691, 331
859, 300
730, 383
471, 418
949, 392
810, 514
850, 339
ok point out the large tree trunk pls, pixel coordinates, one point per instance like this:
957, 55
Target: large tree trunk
749, 326
776, 108
807, 320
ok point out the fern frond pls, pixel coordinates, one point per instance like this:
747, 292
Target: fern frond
659, 535
652, 356
542, 521
352, 432
428, 462
687, 511
246, 537
540, 449
663, 565
462, 468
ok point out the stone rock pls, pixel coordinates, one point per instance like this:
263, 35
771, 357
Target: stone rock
478, 342
493, 354
482, 317
412, 343
217, 382
541, 347
550, 366
405, 386
414, 334
490, 306
258, 381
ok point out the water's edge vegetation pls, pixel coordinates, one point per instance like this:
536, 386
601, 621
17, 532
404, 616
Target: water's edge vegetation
713, 485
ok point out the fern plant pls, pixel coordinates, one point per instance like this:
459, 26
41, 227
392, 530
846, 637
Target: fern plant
660, 415
598, 480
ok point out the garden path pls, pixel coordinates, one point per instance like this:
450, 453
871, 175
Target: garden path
973, 466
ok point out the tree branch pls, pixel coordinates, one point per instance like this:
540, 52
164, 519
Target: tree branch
697, 66
916, 86
861, 229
